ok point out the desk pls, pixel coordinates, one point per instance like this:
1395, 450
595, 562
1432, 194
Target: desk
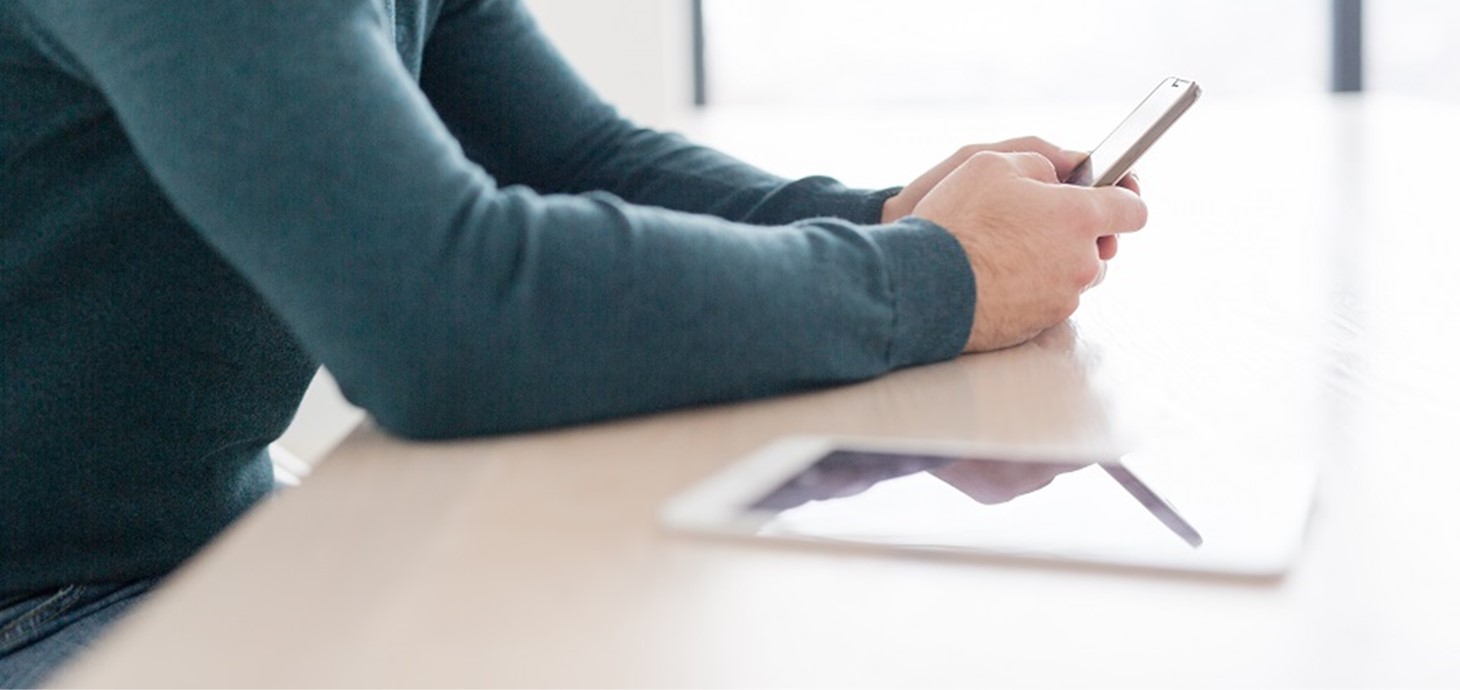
1294, 299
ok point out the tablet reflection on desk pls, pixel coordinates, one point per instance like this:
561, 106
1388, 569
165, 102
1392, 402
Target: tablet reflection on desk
923, 501
845, 473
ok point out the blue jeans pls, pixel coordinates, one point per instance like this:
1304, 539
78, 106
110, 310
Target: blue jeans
39, 633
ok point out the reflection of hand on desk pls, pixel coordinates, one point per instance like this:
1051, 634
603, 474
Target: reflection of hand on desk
848, 472
993, 481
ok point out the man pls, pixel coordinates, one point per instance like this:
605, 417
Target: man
204, 201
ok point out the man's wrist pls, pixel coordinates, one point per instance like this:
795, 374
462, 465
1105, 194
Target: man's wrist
892, 206
933, 289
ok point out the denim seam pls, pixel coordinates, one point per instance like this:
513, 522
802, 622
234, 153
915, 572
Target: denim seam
27, 623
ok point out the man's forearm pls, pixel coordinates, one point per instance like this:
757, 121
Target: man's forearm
521, 111
446, 304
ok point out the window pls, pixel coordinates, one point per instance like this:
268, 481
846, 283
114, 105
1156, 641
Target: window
1411, 48
973, 52
969, 52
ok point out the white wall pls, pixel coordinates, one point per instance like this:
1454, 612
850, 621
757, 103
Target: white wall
323, 420
636, 53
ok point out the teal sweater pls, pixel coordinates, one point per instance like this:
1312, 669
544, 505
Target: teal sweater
201, 201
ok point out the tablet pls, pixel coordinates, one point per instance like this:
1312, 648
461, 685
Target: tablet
1009, 502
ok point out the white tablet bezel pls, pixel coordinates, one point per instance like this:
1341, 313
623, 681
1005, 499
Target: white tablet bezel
716, 505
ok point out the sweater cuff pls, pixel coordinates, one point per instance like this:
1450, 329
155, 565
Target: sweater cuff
873, 203
932, 289
820, 197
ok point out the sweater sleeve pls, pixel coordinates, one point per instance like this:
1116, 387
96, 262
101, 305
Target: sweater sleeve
446, 304
519, 109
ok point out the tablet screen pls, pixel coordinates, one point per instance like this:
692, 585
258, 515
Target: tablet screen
1104, 512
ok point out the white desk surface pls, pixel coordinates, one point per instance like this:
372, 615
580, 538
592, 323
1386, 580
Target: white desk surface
1294, 299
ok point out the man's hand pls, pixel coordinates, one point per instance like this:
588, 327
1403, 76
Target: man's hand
1034, 244
1064, 161
903, 203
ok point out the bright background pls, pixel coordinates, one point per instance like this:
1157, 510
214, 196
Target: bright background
976, 52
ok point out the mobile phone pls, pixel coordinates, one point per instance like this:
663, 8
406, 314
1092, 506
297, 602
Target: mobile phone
1120, 150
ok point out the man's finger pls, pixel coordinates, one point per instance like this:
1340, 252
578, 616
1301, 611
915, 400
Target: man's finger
1034, 165
1064, 160
1131, 182
1116, 209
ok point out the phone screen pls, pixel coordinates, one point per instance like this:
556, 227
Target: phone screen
1120, 150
